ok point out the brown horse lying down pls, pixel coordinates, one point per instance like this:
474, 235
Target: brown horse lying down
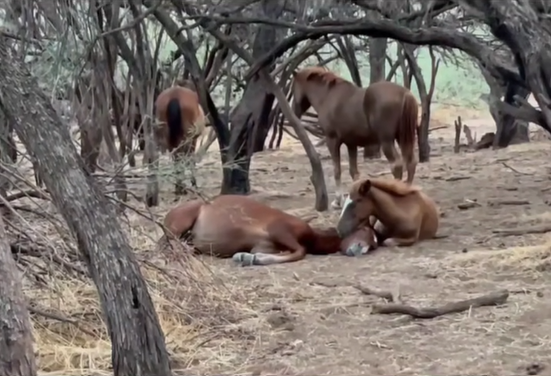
403, 212
256, 234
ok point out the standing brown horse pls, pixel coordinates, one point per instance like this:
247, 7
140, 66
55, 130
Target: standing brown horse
183, 122
355, 116
253, 233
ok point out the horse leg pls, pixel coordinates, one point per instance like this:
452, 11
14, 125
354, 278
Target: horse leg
259, 255
382, 233
353, 162
401, 242
410, 160
391, 154
141, 137
179, 188
190, 152
334, 146
265, 253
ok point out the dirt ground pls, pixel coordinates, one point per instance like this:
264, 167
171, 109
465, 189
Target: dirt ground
310, 320
306, 318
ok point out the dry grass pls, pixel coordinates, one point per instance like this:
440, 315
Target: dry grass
535, 258
201, 312
194, 306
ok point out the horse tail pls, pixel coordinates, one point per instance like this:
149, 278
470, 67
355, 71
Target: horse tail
174, 122
409, 127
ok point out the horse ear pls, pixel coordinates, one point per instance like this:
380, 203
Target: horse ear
364, 188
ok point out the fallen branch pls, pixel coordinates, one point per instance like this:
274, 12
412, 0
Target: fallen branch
387, 295
60, 318
437, 128
492, 299
508, 202
468, 205
31, 193
457, 178
523, 231
515, 170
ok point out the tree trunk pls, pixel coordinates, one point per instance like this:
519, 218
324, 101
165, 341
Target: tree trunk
528, 46
377, 65
137, 340
16, 343
508, 129
7, 157
250, 110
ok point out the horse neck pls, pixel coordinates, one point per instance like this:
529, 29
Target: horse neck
386, 206
316, 93
323, 241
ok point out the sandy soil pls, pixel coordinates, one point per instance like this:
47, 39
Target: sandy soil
306, 318
312, 321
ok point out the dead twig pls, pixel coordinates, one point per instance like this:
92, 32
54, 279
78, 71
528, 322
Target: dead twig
515, 170
542, 229
387, 295
59, 317
437, 128
508, 202
491, 299
457, 178
468, 204
29, 193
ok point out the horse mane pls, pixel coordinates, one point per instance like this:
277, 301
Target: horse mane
324, 75
394, 186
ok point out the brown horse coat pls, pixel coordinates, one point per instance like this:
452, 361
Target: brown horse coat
381, 114
405, 214
256, 234
182, 123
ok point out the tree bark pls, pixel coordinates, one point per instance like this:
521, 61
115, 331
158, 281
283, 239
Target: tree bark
508, 129
137, 340
16, 343
250, 113
377, 65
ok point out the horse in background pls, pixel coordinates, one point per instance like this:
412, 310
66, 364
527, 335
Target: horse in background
380, 114
253, 233
182, 123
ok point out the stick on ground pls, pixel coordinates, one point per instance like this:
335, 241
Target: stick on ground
491, 299
387, 295
540, 229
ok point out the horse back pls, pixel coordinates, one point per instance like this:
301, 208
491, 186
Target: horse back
242, 222
384, 94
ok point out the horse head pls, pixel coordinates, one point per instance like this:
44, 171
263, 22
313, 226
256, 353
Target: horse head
357, 208
300, 103
367, 198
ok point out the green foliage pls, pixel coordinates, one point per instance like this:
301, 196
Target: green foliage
457, 85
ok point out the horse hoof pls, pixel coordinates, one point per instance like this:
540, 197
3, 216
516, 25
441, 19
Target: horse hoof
336, 205
244, 259
356, 250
